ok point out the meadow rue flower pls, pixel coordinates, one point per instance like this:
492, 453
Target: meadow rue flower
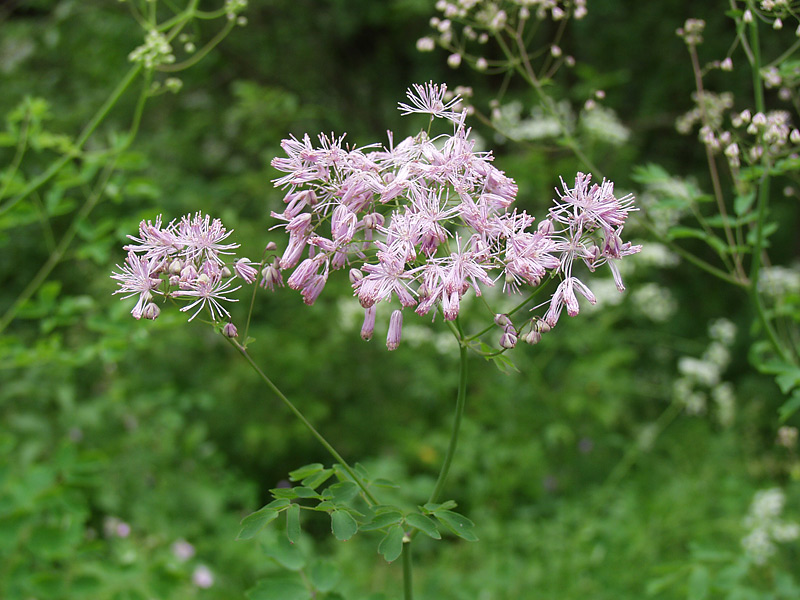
187, 259
424, 221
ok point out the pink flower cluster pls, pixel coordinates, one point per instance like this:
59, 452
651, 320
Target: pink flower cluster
184, 260
428, 219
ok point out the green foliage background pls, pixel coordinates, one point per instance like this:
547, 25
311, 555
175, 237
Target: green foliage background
579, 484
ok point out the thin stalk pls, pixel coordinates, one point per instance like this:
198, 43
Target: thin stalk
21, 147
319, 437
56, 166
408, 592
763, 201
712, 163
460, 403
200, 54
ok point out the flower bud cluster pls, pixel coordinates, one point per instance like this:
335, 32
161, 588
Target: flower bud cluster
425, 221
692, 32
155, 51
185, 261
467, 22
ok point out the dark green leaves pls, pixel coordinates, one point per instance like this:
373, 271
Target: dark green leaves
293, 523
253, 523
343, 525
391, 546
425, 524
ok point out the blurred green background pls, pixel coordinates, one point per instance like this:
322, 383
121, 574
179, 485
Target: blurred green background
585, 475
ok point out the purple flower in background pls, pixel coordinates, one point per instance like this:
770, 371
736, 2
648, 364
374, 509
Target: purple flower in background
202, 577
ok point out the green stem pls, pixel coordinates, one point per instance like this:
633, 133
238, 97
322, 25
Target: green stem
319, 437
460, 403
763, 201
408, 592
63, 245
56, 166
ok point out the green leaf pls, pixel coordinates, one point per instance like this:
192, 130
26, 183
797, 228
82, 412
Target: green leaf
293, 523
343, 525
344, 491
432, 507
286, 554
791, 406
383, 520
425, 524
305, 492
457, 524
391, 546
385, 483
324, 575
279, 503
317, 479
253, 523
305, 471
279, 588
742, 204
284, 493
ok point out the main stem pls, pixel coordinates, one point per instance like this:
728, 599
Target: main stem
408, 591
763, 201
331, 450
460, 403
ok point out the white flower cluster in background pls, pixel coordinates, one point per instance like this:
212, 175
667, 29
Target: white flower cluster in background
701, 378
765, 527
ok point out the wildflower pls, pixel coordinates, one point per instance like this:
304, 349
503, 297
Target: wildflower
208, 290
136, 276
429, 99
422, 221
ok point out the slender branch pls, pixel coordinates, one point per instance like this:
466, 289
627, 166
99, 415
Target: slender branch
56, 166
460, 403
91, 201
319, 437
712, 163
22, 145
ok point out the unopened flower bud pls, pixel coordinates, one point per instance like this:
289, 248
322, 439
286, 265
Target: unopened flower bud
395, 330
226, 272
502, 320
532, 337
555, 51
356, 275
748, 16
726, 64
229, 330
368, 327
174, 280
175, 267
271, 247
759, 119
454, 60
151, 311
508, 340
777, 24
794, 136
